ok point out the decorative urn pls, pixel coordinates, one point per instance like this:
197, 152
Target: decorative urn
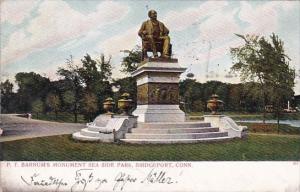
125, 103
214, 104
108, 105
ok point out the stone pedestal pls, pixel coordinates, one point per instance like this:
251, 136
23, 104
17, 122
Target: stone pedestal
158, 91
214, 120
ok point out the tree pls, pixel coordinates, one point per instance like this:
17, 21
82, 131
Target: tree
72, 75
32, 86
53, 101
105, 67
71, 103
249, 61
88, 72
127, 85
95, 75
282, 78
37, 107
130, 62
259, 60
6, 95
186, 93
90, 105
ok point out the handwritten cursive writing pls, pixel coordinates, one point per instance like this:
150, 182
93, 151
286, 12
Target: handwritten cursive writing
87, 180
82, 178
122, 179
157, 177
35, 180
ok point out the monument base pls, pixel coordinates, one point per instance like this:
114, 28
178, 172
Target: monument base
159, 113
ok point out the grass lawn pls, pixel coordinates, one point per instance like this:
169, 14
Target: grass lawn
63, 148
271, 128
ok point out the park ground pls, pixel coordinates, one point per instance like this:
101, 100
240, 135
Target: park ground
264, 143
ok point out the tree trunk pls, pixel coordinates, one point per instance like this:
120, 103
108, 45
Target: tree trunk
55, 115
75, 117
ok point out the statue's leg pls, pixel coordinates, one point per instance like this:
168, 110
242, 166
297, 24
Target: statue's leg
166, 45
153, 46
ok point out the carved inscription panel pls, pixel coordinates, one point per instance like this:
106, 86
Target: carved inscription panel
158, 93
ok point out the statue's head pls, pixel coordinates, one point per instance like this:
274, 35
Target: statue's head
152, 14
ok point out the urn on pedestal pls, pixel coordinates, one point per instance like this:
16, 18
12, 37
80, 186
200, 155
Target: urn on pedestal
108, 105
125, 103
214, 104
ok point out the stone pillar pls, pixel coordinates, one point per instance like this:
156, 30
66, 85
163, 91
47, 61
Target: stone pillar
158, 91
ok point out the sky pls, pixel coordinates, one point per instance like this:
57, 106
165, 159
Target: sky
39, 35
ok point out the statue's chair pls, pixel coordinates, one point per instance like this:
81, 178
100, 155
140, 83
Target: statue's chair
159, 48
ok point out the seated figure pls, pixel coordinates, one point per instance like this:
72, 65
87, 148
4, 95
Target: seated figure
155, 37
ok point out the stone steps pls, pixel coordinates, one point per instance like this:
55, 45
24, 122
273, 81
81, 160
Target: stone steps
171, 141
89, 133
94, 128
79, 136
176, 136
174, 125
174, 130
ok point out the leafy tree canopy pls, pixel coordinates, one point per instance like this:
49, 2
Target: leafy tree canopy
130, 62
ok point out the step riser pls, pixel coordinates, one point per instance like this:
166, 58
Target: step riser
179, 125
220, 139
176, 136
89, 134
79, 136
173, 131
96, 129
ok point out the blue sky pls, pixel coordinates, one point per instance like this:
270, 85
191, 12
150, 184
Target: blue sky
38, 35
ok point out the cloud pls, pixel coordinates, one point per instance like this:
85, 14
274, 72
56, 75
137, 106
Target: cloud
219, 26
263, 19
14, 12
179, 21
125, 41
56, 23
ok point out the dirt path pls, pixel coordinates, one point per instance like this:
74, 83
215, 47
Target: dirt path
15, 128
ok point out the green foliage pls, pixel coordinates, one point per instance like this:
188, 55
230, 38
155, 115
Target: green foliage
53, 101
105, 67
259, 60
88, 72
90, 105
6, 87
38, 106
69, 97
32, 86
8, 99
127, 85
130, 62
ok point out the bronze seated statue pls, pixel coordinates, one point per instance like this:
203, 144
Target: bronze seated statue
146, 47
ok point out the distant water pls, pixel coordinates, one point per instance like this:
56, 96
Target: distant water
294, 123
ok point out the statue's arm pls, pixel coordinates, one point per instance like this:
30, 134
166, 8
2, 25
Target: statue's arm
166, 30
142, 31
